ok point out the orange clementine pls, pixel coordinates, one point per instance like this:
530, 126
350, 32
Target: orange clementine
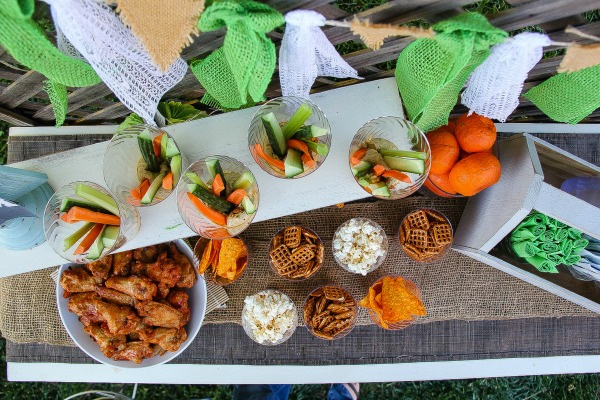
443, 158
474, 173
442, 182
475, 133
448, 128
442, 136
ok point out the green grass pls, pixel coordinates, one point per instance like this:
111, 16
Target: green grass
3, 142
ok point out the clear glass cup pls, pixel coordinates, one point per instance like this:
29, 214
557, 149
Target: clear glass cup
425, 258
380, 259
340, 334
284, 108
286, 335
232, 169
209, 274
57, 231
394, 133
124, 167
400, 324
318, 258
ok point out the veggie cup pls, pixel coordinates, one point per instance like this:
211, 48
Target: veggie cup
289, 118
389, 158
69, 226
217, 216
132, 170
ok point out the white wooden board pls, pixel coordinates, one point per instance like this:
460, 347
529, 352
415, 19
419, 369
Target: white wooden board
346, 108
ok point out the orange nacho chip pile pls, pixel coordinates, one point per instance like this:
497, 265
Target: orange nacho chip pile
393, 301
223, 259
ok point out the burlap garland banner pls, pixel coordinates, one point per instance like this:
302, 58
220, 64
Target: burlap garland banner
455, 287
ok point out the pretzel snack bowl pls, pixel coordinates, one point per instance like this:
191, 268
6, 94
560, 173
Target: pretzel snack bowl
338, 313
296, 253
425, 235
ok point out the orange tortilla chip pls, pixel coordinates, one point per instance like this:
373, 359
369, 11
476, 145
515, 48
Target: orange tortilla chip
373, 302
206, 256
399, 302
231, 251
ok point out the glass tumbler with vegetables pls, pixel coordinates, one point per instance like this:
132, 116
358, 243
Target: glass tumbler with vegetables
84, 222
389, 158
289, 137
142, 165
217, 197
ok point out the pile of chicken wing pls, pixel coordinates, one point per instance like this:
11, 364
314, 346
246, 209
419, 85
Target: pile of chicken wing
134, 303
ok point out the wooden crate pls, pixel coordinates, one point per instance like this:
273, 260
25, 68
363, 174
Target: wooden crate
532, 172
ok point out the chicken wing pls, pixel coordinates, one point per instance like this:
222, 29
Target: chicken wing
109, 343
135, 352
77, 280
135, 286
146, 254
112, 296
84, 306
138, 268
159, 314
188, 275
179, 300
101, 268
121, 320
164, 270
121, 263
167, 338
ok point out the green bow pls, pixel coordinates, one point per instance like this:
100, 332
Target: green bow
568, 96
241, 69
27, 44
431, 72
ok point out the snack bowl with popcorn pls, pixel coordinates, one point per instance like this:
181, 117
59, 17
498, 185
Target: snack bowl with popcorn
269, 317
330, 312
360, 245
296, 253
425, 235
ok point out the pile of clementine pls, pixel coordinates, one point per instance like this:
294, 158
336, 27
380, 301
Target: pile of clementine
461, 157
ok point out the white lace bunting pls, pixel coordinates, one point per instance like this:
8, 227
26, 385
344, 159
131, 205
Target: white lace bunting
494, 87
306, 53
96, 32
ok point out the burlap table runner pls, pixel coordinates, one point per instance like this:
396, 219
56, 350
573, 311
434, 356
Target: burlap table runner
454, 288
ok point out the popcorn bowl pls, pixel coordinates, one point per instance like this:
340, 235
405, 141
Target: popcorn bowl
338, 308
254, 328
280, 259
352, 231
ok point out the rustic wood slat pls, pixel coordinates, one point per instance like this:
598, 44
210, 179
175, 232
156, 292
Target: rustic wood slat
28, 85
77, 99
113, 112
15, 119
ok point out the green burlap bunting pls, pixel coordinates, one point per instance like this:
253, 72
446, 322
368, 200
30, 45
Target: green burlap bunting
240, 70
57, 93
431, 72
569, 96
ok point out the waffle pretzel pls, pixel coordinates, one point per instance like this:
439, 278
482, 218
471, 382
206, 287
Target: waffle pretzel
309, 235
292, 236
418, 238
414, 251
277, 240
334, 293
442, 234
302, 255
302, 271
418, 220
280, 257
435, 216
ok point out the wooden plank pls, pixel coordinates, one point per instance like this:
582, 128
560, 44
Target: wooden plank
227, 134
78, 98
14, 118
113, 112
28, 85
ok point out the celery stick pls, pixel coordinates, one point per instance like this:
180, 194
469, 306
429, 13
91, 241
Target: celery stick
296, 121
78, 234
319, 148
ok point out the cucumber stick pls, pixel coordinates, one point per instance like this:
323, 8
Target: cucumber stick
297, 120
293, 163
163, 145
274, 134
78, 234
110, 235
310, 131
175, 166
195, 179
95, 196
248, 205
172, 149
147, 150
208, 198
154, 186
69, 202
214, 167
319, 148
405, 164
403, 153
246, 179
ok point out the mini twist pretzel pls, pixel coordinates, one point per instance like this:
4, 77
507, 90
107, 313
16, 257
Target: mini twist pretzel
292, 236
418, 238
442, 234
302, 255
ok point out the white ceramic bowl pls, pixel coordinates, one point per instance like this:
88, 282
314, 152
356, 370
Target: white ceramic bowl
197, 302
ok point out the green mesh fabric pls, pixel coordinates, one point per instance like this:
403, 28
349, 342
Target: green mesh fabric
568, 96
57, 92
431, 72
240, 70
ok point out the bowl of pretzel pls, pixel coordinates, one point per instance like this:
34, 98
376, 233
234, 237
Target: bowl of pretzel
425, 235
296, 253
135, 308
330, 312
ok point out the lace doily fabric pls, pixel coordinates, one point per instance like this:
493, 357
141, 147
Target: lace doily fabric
306, 53
493, 89
98, 34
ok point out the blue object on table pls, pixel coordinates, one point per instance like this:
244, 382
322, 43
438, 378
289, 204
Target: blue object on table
586, 188
15, 182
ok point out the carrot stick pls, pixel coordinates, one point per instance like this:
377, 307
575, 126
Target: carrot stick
217, 185
354, 161
88, 240
360, 153
236, 196
378, 169
167, 182
156, 145
213, 215
268, 159
77, 214
65, 217
307, 160
139, 192
392, 173
298, 145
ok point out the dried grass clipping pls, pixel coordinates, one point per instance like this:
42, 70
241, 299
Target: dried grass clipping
579, 57
373, 35
164, 27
